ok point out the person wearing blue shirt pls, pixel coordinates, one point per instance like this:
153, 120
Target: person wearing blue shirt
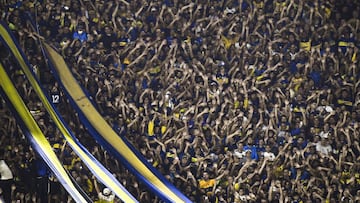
250, 146
80, 34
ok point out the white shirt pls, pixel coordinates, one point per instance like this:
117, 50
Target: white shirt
269, 155
326, 108
5, 171
109, 198
323, 149
239, 154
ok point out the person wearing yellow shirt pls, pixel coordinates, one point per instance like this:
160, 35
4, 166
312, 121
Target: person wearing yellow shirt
222, 76
296, 81
206, 184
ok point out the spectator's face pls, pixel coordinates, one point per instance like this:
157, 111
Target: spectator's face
291, 38
74, 174
316, 122
248, 155
270, 136
287, 173
100, 45
206, 176
323, 102
107, 30
354, 115
293, 49
316, 138
230, 180
240, 146
188, 189
27, 155
324, 141
300, 140
332, 120
184, 159
344, 94
250, 141
326, 127
77, 43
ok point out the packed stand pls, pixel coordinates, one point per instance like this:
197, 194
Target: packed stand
233, 101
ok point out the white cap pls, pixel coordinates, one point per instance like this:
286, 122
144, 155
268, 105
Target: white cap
324, 134
328, 109
106, 191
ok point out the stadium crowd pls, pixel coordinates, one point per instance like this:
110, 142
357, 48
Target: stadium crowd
232, 100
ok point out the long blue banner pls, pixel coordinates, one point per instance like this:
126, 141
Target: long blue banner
95, 166
118, 146
35, 135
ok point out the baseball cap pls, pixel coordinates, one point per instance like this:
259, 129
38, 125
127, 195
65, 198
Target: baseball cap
106, 191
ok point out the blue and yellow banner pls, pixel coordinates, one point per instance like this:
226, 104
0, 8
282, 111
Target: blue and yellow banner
95, 166
106, 136
35, 135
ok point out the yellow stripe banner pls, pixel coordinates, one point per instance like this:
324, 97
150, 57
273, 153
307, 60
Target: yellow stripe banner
37, 138
122, 150
96, 168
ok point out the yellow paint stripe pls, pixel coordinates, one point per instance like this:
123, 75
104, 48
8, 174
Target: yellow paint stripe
36, 132
101, 125
99, 172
